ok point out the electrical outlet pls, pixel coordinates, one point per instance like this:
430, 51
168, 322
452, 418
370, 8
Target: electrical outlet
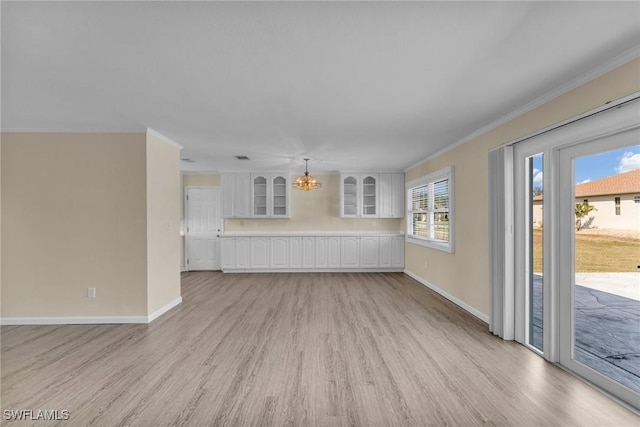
91, 292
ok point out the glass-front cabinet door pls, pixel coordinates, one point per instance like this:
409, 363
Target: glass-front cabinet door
280, 196
349, 195
259, 196
370, 195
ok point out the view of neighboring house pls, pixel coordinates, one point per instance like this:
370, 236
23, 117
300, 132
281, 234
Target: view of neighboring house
616, 202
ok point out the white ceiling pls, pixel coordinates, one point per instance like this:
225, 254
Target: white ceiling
352, 85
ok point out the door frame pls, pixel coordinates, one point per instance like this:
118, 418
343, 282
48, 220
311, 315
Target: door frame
566, 236
185, 202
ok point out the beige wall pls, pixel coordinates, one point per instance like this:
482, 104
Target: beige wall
163, 226
73, 217
203, 180
604, 214
316, 210
465, 273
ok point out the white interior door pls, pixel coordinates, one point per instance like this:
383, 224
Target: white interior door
203, 228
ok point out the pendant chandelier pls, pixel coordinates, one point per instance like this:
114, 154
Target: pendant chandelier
306, 182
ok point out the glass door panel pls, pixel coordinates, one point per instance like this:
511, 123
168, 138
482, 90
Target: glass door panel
600, 286
535, 240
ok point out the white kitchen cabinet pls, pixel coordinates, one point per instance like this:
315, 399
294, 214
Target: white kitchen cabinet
359, 194
260, 195
235, 253
242, 195
295, 252
368, 251
391, 252
327, 253
280, 194
236, 196
349, 195
370, 195
259, 252
308, 252
279, 248
350, 252
243, 252
384, 251
228, 253
228, 189
302, 252
270, 195
254, 195
391, 202
397, 252
264, 253
322, 252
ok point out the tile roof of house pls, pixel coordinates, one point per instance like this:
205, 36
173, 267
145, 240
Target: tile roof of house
622, 183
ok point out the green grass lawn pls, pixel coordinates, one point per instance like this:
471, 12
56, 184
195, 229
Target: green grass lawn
597, 253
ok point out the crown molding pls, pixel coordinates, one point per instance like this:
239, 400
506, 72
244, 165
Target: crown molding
617, 61
163, 138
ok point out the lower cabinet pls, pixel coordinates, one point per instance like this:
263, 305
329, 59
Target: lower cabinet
260, 252
327, 252
279, 251
369, 251
264, 253
391, 251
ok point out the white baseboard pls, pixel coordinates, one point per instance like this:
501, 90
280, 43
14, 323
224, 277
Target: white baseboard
450, 297
88, 320
314, 270
153, 316
75, 320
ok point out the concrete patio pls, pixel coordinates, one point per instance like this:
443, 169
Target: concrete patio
607, 325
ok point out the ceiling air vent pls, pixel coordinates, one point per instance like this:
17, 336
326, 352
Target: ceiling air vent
186, 160
241, 157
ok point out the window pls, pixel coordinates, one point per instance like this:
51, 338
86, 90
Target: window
430, 210
636, 199
617, 199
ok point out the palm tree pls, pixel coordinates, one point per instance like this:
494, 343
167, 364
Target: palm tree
582, 210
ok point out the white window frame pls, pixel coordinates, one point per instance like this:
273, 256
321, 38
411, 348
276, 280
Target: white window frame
446, 173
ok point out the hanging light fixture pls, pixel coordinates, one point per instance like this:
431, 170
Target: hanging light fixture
306, 182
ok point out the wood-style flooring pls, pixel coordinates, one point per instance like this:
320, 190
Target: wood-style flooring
330, 349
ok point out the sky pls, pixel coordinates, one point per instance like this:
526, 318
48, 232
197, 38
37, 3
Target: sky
591, 168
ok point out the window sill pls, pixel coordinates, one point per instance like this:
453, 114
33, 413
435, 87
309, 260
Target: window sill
441, 246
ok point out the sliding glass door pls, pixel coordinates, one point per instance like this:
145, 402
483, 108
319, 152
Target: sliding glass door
599, 251
529, 186
576, 222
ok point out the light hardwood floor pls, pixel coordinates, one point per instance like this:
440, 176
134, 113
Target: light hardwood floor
295, 349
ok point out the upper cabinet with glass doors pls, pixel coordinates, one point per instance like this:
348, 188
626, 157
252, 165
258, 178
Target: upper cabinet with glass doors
255, 195
270, 195
372, 195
